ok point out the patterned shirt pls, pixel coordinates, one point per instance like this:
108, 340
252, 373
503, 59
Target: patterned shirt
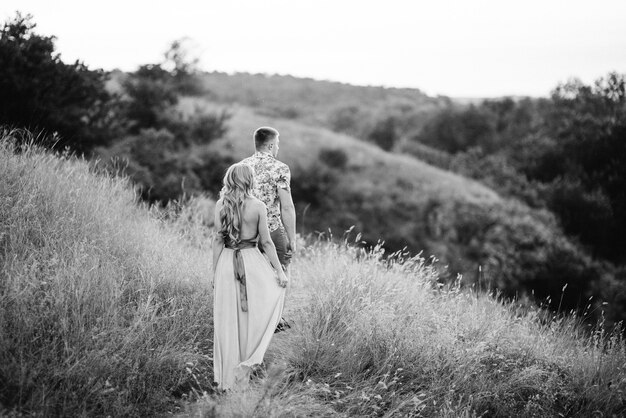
269, 175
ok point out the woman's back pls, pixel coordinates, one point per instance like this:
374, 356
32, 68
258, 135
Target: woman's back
249, 227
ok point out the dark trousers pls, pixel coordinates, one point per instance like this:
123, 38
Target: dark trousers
279, 238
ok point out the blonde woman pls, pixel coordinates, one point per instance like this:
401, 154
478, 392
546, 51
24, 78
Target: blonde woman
248, 292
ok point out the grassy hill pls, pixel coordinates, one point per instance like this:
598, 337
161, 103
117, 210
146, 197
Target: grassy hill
334, 105
101, 304
312, 100
340, 180
105, 310
300, 144
411, 204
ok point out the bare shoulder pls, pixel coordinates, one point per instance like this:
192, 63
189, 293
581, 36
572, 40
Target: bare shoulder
257, 204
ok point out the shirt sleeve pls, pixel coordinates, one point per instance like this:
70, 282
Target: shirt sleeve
283, 177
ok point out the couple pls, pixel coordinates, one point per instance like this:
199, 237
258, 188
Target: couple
255, 208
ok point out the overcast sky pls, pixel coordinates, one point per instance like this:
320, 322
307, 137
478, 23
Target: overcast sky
459, 48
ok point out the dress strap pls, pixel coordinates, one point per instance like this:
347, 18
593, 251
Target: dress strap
240, 269
242, 244
240, 276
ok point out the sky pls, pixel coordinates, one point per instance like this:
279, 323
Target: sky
457, 48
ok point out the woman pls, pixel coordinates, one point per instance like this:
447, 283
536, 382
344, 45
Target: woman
248, 293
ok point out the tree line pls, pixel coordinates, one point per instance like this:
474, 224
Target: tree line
565, 153
137, 129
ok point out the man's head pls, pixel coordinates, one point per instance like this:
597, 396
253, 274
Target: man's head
266, 140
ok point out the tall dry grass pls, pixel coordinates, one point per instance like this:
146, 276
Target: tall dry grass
104, 308
380, 338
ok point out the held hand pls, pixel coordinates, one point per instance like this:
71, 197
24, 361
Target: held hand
291, 246
282, 279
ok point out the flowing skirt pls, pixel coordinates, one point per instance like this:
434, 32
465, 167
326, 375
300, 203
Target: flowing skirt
240, 338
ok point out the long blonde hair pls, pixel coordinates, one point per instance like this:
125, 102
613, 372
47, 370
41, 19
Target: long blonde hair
237, 186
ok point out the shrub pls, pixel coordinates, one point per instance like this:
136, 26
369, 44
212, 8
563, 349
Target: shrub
163, 169
346, 120
384, 134
458, 130
197, 128
150, 93
334, 158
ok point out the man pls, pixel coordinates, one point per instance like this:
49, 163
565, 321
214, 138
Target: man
272, 188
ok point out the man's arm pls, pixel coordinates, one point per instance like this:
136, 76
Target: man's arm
268, 244
288, 215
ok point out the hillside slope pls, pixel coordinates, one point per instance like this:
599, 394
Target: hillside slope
295, 97
102, 305
375, 339
301, 144
105, 310
411, 204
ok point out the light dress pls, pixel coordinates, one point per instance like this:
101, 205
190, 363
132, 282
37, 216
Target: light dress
242, 333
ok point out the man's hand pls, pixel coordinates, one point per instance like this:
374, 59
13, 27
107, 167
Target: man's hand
282, 278
291, 246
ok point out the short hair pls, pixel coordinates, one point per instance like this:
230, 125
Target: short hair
263, 135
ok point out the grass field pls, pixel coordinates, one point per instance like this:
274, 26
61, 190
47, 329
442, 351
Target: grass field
105, 310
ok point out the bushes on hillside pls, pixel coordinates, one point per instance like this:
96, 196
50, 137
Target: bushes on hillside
564, 154
150, 93
497, 172
164, 168
589, 124
315, 184
521, 251
347, 120
334, 158
454, 132
524, 252
490, 126
384, 134
165, 151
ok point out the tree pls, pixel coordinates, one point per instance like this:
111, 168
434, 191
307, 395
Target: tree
40, 92
588, 124
334, 158
385, 133
154, 89
183, 66
151, 92
459, 130
346, 120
